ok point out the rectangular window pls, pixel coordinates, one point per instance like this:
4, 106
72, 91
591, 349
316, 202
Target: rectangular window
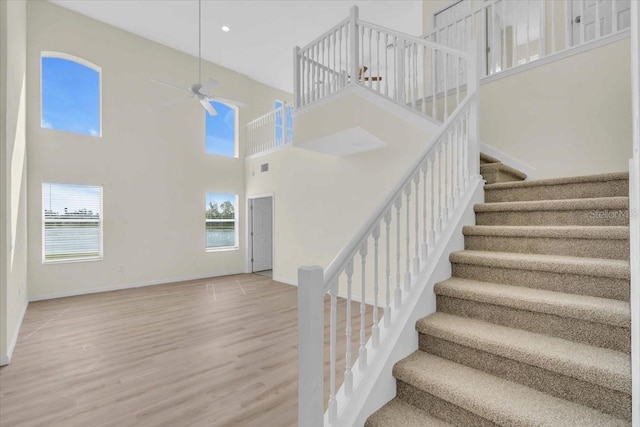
220, 130
221, 222
72, 222
284, 123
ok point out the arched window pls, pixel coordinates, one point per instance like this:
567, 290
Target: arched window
222, 131
71, 91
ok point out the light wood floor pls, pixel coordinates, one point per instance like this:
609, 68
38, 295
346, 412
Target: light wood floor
215, 352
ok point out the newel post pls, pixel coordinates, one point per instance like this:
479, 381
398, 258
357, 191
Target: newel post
296, 77
473, 88
355, 44
310, 346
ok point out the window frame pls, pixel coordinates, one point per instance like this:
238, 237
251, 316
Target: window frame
100, 256
235, 220
236, 135
85, 63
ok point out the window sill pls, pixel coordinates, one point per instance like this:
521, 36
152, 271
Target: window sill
72, 260
223, 249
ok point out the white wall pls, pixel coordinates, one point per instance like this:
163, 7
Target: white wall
150, 159
13, 178
569, 117
322, 200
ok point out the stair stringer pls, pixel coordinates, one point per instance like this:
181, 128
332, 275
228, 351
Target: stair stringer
401, 338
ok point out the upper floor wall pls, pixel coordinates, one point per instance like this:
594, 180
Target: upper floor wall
566, 114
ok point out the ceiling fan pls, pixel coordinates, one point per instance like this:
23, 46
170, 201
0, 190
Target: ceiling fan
198, 91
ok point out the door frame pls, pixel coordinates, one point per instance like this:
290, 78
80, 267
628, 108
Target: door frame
249, 240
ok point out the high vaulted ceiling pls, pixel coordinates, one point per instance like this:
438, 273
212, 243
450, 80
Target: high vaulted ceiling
263, 32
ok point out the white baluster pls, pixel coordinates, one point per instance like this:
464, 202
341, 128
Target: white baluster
504, 36
425, 244
387, 306
407, 273
333, 326
542, 33
341, 83
432, 213
386, 65
375, 329
415, 73
457, 70
528, 31
449, 172
440, 204
425, 83
398, 294
361, 73
370, 63
434, 76
553, 26
514, 49
446, 87
598, 29
378, 61
582, 34
348, 375
362, 359
416, 258
614, 17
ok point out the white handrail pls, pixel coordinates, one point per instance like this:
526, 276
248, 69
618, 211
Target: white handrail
492, 22
336, 266
265, 133
400, 67
409, 223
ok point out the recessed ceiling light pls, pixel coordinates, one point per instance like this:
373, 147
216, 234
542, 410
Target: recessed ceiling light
226, 29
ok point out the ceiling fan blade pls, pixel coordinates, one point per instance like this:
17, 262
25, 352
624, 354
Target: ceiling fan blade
207, 106
230, 101
208, 86
160, 82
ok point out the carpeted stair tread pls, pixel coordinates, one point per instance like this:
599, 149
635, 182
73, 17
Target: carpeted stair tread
617, 176
500, 401
485, 158
495, 167
596, 365
598, 267
587, 308
598, 203
549, 231
400, 413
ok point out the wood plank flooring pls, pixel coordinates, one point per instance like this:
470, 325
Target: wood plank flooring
214, 352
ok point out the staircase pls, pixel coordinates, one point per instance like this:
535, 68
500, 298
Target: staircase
534, 326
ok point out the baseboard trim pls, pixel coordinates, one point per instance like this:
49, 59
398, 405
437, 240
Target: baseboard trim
5, 359
508, 160
130, 286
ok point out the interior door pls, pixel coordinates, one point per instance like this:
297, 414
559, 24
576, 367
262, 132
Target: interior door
261, 234
613, 16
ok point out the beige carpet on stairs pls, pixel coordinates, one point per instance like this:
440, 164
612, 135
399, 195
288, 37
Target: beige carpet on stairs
533, 327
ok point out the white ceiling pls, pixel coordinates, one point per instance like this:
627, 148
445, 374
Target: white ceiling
263, 32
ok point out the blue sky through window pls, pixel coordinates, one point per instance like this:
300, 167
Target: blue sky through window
70, 96
220, 131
